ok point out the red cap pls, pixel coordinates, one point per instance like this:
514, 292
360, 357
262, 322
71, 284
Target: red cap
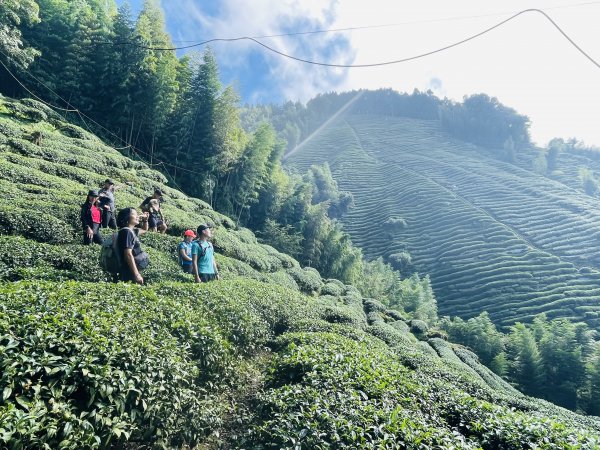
189, 233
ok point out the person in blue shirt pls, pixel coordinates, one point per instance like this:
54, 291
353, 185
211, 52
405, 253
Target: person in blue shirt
204, 265
184, 251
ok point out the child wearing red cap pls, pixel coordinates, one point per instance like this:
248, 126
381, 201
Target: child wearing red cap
184, 251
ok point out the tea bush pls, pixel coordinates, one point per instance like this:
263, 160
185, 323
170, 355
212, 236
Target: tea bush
308, 279
248, 362
92, 365
494, 237
104, 364
332, 288
327, 391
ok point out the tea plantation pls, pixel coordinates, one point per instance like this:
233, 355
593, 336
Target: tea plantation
493, 236
271, 357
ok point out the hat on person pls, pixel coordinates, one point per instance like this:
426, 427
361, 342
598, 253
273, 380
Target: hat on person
92, 193
109, 181
202, 227
189, 233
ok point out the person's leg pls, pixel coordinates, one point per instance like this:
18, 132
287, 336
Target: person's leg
112, 223
161, 226
97, 238
105, 218
126, 276
152, 223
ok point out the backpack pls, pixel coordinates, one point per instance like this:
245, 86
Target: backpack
204, 249
110, 260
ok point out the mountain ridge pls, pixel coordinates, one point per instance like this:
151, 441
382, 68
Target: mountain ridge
502, 207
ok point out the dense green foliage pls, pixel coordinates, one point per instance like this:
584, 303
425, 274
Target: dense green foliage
333, 396
14, 16
277, 356
112, 364
249, 362
485, 121
555, 360
492, 236
175, 114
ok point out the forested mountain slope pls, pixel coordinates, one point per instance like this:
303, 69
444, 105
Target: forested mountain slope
271, 357
493, 236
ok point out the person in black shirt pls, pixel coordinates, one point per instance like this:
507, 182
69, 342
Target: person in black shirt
107, 204
91, 217
131, 253
146, 203
156, 217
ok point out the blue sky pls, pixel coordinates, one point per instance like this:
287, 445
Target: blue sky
526, 64
257, 74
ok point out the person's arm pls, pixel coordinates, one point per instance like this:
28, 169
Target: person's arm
184, 255
143, 224
195, 267
195, 258
132, 267
216, 267
86, 221
104, 202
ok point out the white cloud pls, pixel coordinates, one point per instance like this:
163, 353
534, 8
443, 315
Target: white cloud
268, 17
526, 63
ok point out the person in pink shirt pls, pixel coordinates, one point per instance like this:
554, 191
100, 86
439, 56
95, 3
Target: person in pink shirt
91, 218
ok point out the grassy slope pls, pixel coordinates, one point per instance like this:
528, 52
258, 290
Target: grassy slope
250, 362
492, 236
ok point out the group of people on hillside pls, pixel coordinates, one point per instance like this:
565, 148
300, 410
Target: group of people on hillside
195, 253
97, 212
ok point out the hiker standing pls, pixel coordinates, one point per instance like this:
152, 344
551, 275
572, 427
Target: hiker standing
152, 206
91, 218
204, 265
133, 258
156, 220
185, 251
107, 204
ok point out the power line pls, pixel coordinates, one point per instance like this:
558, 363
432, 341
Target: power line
25, 87
390, 25
384, 63
137, 151
81, 115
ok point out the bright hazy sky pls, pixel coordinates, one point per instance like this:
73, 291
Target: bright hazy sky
526, 63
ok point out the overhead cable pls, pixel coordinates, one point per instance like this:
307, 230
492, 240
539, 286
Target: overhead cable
398, 24
82, 115
378, 64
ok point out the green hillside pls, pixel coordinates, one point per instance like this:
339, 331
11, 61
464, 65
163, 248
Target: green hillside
493, 236
271, 357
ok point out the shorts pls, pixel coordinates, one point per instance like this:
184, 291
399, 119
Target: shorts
206, 277
187, 268
154, 223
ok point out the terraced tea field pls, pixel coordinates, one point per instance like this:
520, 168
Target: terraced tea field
493, 236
